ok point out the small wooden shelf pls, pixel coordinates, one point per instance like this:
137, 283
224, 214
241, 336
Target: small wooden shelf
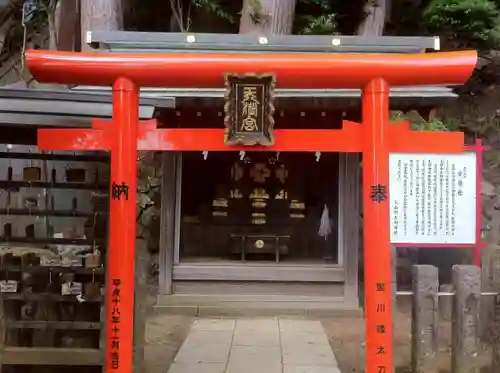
52, 314
60, 325
9, 185
37, 269
47, 297
50, 213
51, 356
103, 158
52, 241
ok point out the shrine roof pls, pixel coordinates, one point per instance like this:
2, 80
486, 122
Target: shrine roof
121, 41
297, 98
53, 105
155, 42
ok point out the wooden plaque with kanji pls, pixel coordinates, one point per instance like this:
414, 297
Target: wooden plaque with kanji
249, 109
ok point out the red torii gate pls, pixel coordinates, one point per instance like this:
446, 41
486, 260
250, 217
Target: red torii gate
375, 138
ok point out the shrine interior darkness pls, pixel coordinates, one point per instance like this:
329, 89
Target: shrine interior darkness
259, 206
229, 204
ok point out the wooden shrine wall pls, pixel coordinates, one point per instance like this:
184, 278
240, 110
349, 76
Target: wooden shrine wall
214, 118
350, 220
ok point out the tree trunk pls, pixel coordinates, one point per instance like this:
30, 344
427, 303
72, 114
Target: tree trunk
267, 16
66, 18
100, 15
377, 13
53, 24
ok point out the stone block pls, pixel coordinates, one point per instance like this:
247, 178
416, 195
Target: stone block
297, 338
209, 336
251, 359
257, 324
259, 337
296, 354
214, 324
310, 369
465, 328
197, 368
195, 353
301, 326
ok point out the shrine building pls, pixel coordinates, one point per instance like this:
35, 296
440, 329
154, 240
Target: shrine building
241, 230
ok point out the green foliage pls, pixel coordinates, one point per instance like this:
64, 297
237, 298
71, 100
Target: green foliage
215, 7
316, 18
468, 22
418, 123
15, 34
149, 200
321, 25
431, 125
313, 17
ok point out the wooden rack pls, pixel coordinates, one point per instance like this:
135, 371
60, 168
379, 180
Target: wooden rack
51, 281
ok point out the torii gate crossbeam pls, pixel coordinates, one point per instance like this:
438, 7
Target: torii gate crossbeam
375, 138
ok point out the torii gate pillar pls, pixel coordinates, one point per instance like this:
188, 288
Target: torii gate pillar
375, 138
376, 242
122, 225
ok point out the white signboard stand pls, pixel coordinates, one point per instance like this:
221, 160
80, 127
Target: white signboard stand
433, 198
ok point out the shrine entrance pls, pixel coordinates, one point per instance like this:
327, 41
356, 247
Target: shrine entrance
375, 138
259, 207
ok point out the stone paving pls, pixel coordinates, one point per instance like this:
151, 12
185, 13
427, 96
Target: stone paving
255, 346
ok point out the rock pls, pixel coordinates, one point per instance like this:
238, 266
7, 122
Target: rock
487, 188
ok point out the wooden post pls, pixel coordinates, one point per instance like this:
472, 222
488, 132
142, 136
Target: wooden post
167, 222
424, 319
349, 221
140, 303
465, 328
3, 331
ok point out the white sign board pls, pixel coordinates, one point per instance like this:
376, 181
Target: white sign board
433, 198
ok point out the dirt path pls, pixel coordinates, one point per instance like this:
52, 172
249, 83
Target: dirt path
346, 337
164, 336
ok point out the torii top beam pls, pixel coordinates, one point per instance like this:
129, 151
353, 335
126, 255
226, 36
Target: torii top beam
206, 70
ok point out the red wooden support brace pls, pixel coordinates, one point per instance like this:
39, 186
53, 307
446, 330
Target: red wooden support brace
347, 139
97, 138
73, 139
479, 149
404, 140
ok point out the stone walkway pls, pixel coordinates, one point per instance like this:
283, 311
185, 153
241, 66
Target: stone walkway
255, 346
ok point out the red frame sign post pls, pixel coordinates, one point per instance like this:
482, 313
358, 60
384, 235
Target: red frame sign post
375, 138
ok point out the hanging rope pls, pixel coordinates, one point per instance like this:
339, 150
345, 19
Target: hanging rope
28, 12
